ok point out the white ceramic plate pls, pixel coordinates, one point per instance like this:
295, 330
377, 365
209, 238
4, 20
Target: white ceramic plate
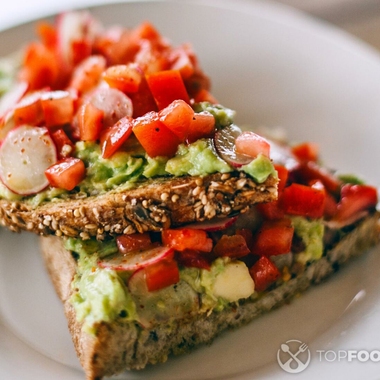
276, 68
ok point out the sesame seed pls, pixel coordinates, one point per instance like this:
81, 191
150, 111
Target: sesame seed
84, 235
145, 203
175, 198
76, 213
58, 233
225, 176
199, 181
241, 183
197, 191
164, 196
90, 226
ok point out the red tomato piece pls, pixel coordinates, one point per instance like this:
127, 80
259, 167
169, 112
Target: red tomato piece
66, 173
167, 86
264, 273
126, 78
29, 110
355, 199
252, 144
308, 201
116, 137
182, 62
142, 100
133, 242
193, 259
201, 126
204, 95
231, 246
306, 151
187, 238
161, 274
247, 235
47, 34
154, 136
87, 74
62, 142
58, 108
81, 49
271, 210
177, 116
273, 238
309, 171
283, 174
90, 121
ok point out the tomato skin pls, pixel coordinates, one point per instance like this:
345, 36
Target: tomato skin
57, 107
66, 173
177, 116
201, 126
187, 238
161, 274
126, 78
133, 242
193, 259
303, 200
167, 86
116, 136
62, 142
142, 100
273, 238
234, 246
154, 136
90, 121
264, 273
29, 110
354, 199
283, 174
306, 151
271, 210
252, 144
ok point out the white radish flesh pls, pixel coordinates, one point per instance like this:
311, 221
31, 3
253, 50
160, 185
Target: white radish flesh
25, 154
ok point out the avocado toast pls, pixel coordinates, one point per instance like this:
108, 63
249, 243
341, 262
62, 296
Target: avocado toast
137, 281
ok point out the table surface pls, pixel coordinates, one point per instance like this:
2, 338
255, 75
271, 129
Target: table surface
359, 17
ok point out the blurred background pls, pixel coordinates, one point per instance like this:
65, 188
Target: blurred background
359, 17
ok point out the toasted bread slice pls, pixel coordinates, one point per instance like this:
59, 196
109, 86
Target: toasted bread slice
150, 206
118, 346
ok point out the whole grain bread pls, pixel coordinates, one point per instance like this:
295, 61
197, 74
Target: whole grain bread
150, 206
120, 346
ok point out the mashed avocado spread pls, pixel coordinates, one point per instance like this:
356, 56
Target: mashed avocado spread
132, 164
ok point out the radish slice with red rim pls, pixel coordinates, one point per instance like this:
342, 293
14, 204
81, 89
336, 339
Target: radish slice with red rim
21, 169
224, 142
214, 225
136, 259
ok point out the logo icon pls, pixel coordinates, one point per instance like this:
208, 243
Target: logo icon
293, 356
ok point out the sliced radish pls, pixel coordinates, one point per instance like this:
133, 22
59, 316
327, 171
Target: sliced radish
113, 103
282, 155
224, 142
214, 225
136, 259
25, 154
74, 27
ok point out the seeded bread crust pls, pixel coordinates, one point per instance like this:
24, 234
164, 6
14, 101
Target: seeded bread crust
120, 346
150, 206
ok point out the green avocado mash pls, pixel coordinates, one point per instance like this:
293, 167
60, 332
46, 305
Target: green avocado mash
132, 164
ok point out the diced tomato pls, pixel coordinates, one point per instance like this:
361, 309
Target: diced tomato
48, 34
133, 242
167, 86
126, 78
331, 206
40, 68
177, 116
187, 238
66, 173
308, 201
273, 238
62, 142
231, 246
90, 121
87, 74
116, 136
309, 171
29, 110
202, 126
247, 235
161, 274
196, 83
193, 259
146, 31
354, 199
283, 174
252, 144
57, 107
154, 136
306, 151
182, 62
142, 100
204, 95
81, 49
264, 273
